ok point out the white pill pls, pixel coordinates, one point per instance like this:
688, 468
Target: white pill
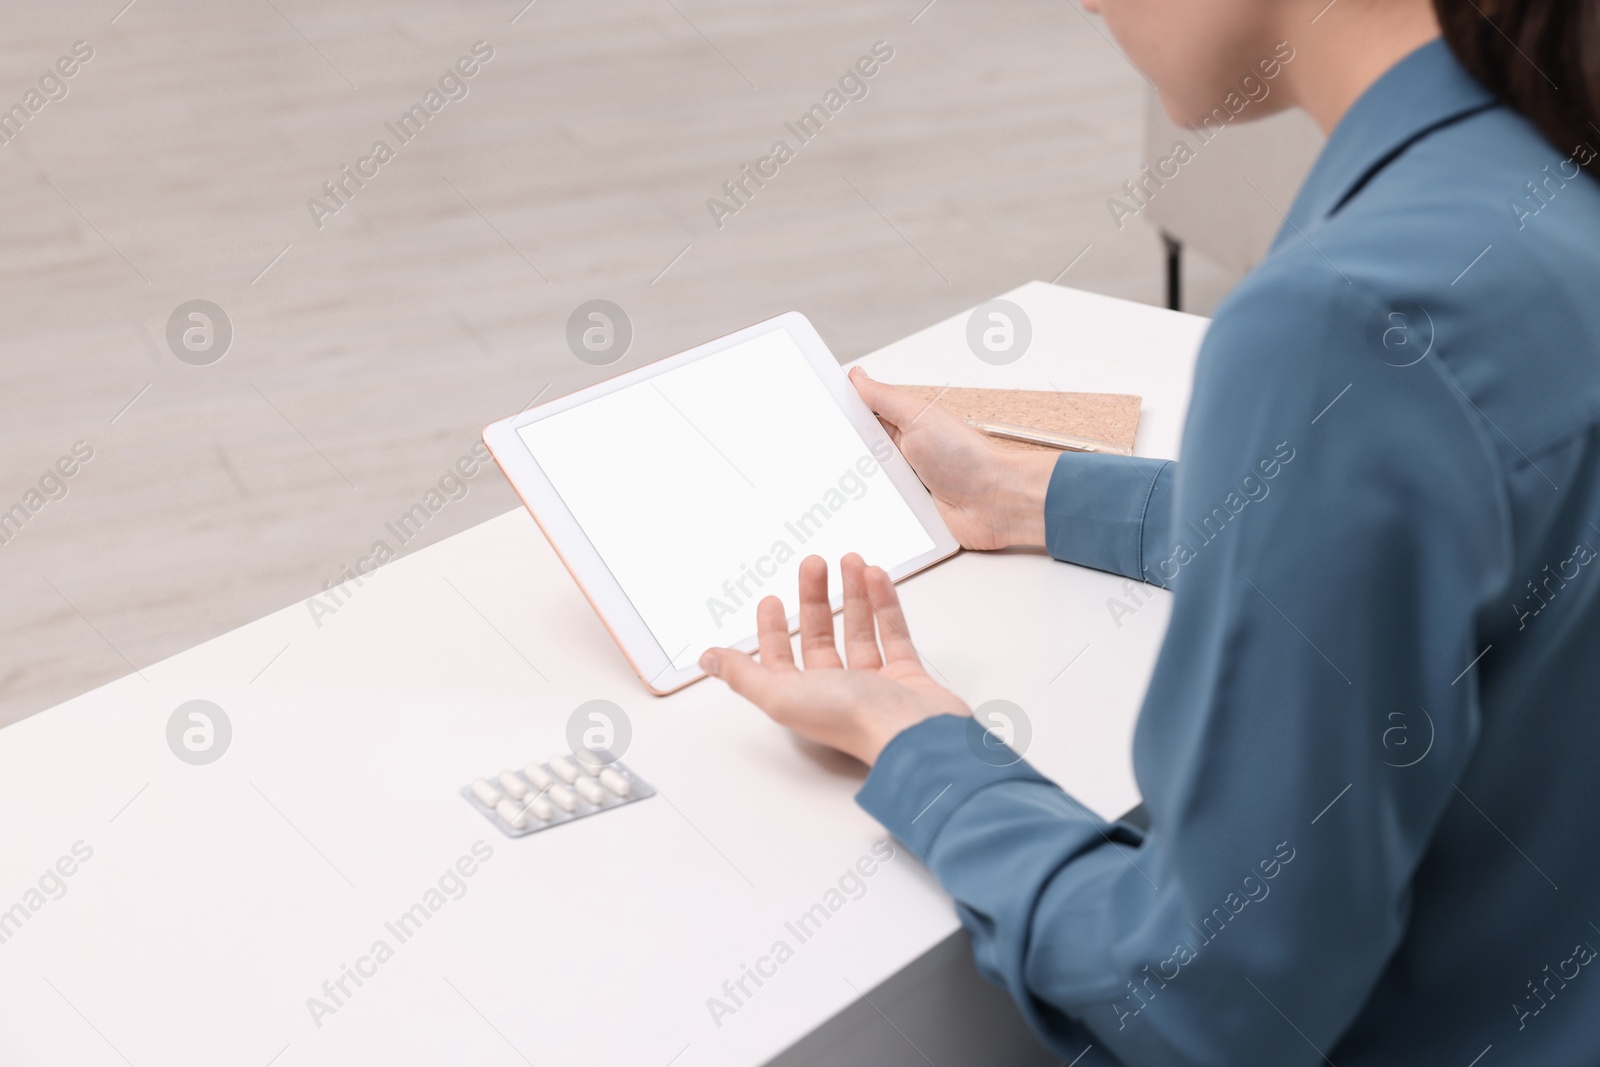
541, 808
590, 761
508, 810
563, 798
590, 790
513, 785
615, 782
537, 775
487, 794
563, 768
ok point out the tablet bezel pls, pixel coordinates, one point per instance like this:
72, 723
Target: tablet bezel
650, 661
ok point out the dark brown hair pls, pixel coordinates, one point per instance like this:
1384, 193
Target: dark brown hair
1542, 57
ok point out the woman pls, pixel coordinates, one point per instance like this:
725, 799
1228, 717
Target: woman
1414, 366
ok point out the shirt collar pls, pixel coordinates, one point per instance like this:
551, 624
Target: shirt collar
1424, 91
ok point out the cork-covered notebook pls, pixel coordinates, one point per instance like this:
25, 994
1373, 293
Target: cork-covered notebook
1108, 416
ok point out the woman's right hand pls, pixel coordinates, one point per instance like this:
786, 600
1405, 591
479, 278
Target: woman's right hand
990, 497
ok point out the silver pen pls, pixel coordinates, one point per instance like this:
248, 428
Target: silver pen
1049, 438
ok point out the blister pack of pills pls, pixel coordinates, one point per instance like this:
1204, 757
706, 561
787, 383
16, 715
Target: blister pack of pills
555, 791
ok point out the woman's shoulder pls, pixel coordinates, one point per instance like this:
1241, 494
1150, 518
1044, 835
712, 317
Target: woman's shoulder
1475, 249
1432, 216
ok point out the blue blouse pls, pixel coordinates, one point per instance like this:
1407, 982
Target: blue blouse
1370, 751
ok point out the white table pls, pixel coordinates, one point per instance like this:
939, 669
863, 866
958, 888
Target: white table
219, 898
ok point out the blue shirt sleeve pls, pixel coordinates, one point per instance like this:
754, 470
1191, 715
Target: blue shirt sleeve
1308, 716
1101, 511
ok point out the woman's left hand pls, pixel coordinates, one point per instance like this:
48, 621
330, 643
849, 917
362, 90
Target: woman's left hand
858, 705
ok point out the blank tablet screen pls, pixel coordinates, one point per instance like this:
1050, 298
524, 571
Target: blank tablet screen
704, 487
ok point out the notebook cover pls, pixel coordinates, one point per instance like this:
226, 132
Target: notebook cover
1108, 416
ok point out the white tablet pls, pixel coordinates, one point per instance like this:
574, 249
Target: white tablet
681, 493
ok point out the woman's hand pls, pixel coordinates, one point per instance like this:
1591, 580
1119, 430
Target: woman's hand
856, 706
990, 497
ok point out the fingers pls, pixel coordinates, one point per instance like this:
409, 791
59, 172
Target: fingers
751, 680
872, 615
898, 409
892, 629
816, 615
860, 630
772, 628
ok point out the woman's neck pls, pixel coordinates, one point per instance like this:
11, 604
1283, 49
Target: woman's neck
1346, 47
